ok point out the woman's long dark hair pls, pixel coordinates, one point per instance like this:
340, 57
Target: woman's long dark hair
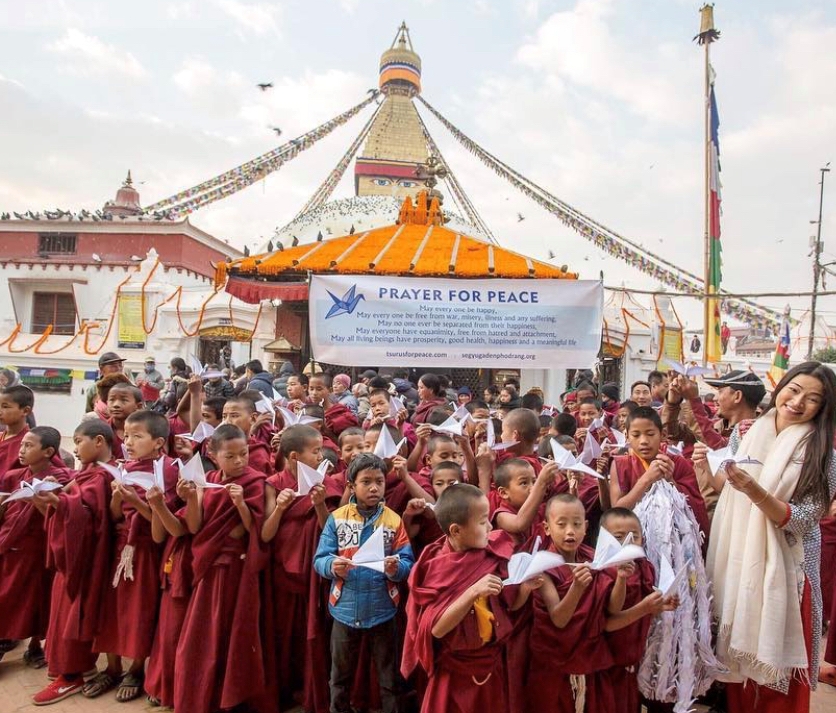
433, 383
819, 452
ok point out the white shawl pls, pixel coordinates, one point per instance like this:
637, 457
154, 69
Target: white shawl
756, 573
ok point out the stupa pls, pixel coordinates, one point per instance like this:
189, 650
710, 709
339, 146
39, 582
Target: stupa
395, 162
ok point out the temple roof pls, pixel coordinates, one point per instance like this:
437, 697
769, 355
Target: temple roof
417, 245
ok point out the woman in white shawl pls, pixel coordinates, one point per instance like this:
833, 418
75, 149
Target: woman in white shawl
765, 546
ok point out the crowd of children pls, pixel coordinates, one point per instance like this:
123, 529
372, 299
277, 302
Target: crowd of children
256, 554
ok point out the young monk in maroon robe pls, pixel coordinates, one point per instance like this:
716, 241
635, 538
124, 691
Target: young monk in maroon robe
220, 655
522, 494
240, 411
633, 475
419, 519
169, 529
570, 612
458, 614
626, 631
297, 614
401, 485
16, 403
24, 579
129, 607
337, 417
78, 538
122, 400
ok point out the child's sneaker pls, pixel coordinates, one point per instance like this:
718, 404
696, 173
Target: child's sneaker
58, 690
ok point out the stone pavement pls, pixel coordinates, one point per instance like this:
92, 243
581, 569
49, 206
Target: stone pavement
18, 683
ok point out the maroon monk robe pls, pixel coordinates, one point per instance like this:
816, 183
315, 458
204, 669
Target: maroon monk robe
297, 616
78, 533
176, 580
220, 655
24, 579
828, 564
428, 532
118, 448
578, 649
397, 494
424, 409
10, 450
465, 674
129, 607
830, 646
339, 417
627, 645
630, 468
261, 457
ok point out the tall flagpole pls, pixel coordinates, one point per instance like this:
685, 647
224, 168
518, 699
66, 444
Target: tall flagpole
706, 36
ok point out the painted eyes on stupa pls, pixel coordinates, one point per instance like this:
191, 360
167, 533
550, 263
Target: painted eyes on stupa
388, 182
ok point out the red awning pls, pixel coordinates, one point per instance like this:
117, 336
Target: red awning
252, 291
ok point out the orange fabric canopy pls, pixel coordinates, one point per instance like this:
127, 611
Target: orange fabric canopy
418, 246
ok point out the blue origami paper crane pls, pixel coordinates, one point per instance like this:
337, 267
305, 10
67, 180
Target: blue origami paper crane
345, 304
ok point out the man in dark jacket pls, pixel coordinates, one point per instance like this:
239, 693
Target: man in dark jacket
258, 379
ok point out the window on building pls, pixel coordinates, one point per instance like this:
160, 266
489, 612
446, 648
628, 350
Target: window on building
57, 243
55, 308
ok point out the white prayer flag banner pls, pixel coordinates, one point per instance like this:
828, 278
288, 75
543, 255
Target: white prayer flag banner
412, 321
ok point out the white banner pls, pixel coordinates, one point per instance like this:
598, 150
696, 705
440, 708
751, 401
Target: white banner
413, 321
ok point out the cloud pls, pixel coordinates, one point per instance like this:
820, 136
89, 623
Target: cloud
88, 55
580, 47
252, 18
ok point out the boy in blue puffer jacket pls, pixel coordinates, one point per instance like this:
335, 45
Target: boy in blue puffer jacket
363, 600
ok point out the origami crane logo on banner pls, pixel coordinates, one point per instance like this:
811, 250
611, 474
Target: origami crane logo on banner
345, 304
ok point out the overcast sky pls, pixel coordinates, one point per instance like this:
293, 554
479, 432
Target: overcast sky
600, 101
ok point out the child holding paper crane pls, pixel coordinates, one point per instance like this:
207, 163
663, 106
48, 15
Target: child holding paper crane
364, 550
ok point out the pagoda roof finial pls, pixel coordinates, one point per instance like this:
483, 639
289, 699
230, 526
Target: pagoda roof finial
128, 181
402, 38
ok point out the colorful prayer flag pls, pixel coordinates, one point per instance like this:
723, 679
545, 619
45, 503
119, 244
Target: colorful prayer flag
714, 347
781, 359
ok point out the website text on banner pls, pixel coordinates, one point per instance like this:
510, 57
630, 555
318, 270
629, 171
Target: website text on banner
410, 321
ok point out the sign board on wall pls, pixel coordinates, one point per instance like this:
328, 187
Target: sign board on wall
131, 332
410, 321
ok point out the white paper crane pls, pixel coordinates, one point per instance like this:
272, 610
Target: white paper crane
451, 426
591, 449
386, 446
28, 490
307, 477
372, 553
490, 438
566, 461
689, 371
609, 552
146, 481
201, 433
668, 580
718, 459
524, 566
293, 419
396, 405
203, 371
192, 471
